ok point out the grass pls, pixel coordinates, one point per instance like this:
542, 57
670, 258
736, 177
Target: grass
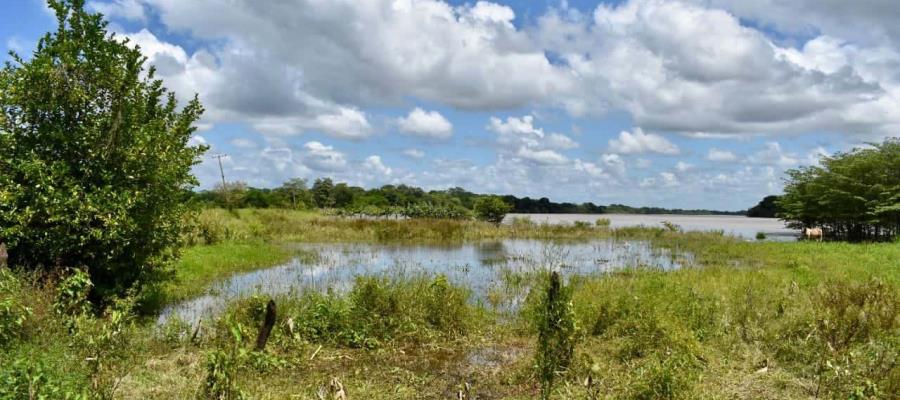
753, 320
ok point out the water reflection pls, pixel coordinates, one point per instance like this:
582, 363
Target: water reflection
485, 267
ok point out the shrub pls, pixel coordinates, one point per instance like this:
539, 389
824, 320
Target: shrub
13, 313
491, 209
760, 236
554, 322
602, 222
94, 156
582, 225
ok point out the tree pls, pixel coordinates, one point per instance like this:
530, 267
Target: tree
491, 209
322, 191
766, 208
296, 191
853, 195
94, 156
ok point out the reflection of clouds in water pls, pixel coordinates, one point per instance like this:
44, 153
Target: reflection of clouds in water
480, 266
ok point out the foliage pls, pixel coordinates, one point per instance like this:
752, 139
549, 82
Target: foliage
491, 209
602, 222
25, 379
94, 156
13, 311
767, 208
554, 322
853, 195
222, 367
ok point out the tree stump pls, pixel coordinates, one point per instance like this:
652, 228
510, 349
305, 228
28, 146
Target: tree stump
266, 327
4, 256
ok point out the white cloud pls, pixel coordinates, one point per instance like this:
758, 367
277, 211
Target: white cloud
131, 10
559, 141
682, 166
323, 158
425, 123
243, 143
542, 156
718, 155
520, 137
589, 168
373, 163
640, 142
772, 154
615, 164
414, 153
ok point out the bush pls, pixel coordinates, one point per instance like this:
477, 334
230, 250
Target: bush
760, 236
602, 222
554, 322
94, 157
491, 209
13, 313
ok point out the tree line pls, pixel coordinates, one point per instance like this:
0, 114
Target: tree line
852, 195
324, 193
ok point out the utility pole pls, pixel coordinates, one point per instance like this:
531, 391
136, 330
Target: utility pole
222, 172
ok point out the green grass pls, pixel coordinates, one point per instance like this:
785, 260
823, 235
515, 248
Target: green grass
199, 266
753, 320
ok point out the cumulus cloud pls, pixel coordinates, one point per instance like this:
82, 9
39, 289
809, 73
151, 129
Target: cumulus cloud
128, 9
373, 163
773, 154
425, 123
519, 136
414, 153
696, 70
640, 142
541, 156
323, 158
243, 143
718, 155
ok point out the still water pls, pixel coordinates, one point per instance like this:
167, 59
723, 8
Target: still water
483, 267
734, 225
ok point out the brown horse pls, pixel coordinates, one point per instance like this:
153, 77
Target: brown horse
813, 233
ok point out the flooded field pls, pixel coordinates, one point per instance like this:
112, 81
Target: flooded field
490, 269
735, 225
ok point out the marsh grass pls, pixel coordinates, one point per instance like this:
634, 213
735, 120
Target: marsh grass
752, 320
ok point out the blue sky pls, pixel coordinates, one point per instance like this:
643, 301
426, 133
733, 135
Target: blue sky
690, 104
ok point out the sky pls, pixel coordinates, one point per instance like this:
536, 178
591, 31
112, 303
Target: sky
680, 104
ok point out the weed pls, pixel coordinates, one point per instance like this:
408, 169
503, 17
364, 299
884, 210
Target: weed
554, 322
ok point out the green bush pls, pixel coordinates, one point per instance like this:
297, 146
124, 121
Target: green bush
554, 321
94, 157
602, 222
13, 313
491, 209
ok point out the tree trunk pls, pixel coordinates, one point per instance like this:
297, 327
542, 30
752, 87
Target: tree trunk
266, 327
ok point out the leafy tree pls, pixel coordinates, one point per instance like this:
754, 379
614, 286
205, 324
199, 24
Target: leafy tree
491, 209
853, 195
322, 193
295, 190
767, 208
94, 156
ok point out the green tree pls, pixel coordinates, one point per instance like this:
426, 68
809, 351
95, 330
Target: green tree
491, 209
766, 208
296, 192
322, 193
94, 156
853, 195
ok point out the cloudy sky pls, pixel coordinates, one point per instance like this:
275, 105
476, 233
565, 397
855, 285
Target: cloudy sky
694, 103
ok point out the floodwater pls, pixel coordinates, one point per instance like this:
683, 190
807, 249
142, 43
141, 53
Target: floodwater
734, 225
484, 267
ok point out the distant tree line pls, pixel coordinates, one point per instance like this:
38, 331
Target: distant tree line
456, 202
853, 195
